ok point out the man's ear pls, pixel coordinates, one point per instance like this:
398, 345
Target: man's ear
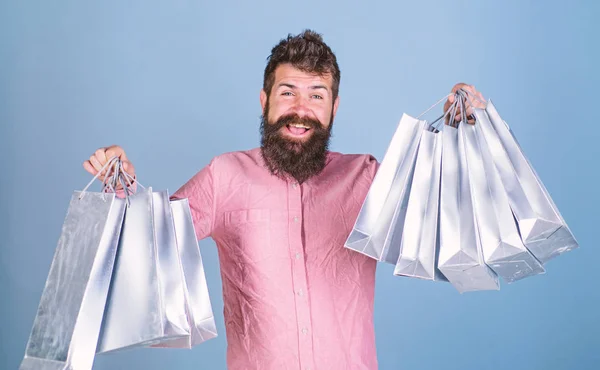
335, 105
263, 99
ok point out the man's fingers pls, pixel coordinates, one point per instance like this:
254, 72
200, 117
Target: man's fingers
89, 168
481, 100
475, 97
100, 155
115, 151
95, 163
469, 110
128, 167
458, 86
469, 88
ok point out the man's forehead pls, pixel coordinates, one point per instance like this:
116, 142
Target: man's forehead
288, 73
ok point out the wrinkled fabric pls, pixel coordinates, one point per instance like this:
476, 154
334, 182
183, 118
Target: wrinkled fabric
294, 297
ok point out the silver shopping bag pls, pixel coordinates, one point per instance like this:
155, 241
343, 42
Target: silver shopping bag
146, 302
460, 256
502, 247
198, 306
541, 226
67, 324
386, 202
419, 242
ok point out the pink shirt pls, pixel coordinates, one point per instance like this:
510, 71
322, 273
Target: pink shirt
294, 297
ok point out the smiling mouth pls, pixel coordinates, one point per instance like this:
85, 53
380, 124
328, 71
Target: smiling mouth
297, 130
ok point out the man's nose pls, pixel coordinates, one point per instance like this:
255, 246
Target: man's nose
301, 107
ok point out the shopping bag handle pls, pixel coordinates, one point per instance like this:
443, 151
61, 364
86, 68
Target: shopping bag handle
462, 97
435, 105
109, 163
467, 94
110, 182
119, 175
463, 116
460, 93
450, 111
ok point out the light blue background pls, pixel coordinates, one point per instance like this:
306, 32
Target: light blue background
177, 82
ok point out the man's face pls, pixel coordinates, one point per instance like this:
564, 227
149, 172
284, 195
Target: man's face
296, 124
303, 94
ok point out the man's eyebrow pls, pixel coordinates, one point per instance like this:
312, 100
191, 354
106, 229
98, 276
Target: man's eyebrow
316, 87
292, 86
285, 84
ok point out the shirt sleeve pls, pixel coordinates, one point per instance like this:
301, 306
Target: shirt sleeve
373, 167
200, 192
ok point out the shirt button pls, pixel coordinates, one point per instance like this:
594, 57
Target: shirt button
300, 292
298, 255
296, 219
304, 330
294, 185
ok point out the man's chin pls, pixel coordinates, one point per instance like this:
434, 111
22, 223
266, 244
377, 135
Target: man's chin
293, 145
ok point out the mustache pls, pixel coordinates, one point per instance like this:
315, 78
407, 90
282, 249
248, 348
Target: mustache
295, 118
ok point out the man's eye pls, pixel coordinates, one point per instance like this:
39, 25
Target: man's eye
317, 97
287, 93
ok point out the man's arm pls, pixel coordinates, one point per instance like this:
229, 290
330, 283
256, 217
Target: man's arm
199, 190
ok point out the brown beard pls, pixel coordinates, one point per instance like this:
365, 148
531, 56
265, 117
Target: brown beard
299, 159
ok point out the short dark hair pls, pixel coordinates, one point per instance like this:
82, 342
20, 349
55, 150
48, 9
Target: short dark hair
306, 52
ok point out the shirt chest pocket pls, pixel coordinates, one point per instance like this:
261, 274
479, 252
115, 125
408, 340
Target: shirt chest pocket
247, 236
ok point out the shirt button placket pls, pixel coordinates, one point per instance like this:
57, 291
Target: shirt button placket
299, 277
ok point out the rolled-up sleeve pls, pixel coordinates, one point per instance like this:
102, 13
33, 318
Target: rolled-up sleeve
200, 192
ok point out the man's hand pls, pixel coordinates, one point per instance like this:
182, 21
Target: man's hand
476, 100
103, 155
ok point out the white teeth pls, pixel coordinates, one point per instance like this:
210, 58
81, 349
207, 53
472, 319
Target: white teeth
300, 126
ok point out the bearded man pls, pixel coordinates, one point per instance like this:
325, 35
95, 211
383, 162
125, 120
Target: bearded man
294, 297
